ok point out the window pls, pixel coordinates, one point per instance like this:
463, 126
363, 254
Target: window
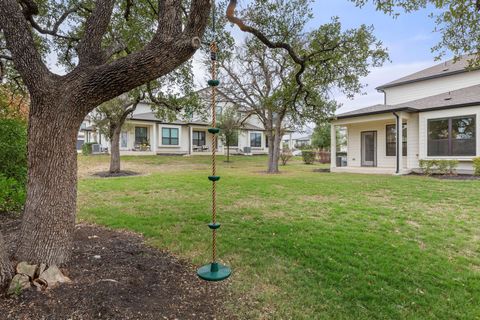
392, 140
199, 138
123, 139
169, 136
452, 136
141, 135
255, 140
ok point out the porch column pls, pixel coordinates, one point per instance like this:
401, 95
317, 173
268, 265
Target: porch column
290, 142
333, 146
154, 145
399, 143
190, 136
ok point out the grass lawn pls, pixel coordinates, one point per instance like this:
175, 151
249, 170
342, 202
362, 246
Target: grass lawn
307, 245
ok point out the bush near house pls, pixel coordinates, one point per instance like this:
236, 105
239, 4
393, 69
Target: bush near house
308, 156
13, 164
87, 148
442, 167
476, 166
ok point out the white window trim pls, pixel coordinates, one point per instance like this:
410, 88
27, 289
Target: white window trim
262, 142
160, 132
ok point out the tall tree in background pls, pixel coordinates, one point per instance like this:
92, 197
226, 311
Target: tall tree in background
294, 84
229, 123
109, 118
321, 137
458, 22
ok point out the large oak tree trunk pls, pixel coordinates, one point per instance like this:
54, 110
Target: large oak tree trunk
5, 265
115, 151
49, 217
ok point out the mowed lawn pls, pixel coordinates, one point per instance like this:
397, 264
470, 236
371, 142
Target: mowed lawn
304, 244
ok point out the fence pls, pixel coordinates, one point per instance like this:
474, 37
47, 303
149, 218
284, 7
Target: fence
323, 156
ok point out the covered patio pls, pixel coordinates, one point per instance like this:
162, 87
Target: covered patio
382, 143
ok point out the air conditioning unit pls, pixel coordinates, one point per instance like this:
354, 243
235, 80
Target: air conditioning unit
247, 151
96, 148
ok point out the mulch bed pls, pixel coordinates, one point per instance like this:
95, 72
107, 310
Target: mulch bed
450, 177
123, 173
116, 276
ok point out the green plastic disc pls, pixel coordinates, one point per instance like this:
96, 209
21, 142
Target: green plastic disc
214, 272
213, 130
213, 83
214, 226
213, 178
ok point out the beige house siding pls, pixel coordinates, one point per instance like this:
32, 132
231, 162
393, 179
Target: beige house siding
426, 88
412, 142
354, 143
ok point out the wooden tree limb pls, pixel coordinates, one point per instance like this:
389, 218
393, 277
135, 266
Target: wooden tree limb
56, 25
153, 61
90, 47
19, 40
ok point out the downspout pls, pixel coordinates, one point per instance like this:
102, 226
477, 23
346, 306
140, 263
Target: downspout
397, 153
189, 140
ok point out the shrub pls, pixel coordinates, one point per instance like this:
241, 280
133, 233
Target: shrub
308, 156
452, 167
87, 148
442, 166
13, 164
427, 166
476, 166
13, 149
12, 194
285, 156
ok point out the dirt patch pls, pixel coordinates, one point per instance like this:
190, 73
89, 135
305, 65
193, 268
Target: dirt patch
116, 276
324, 170
107, 174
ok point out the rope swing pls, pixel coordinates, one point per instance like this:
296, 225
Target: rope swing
214, 271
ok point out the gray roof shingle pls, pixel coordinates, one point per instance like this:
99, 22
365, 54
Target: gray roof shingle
457, 98
440, 70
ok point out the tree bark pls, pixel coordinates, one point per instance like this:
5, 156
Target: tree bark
272, 161
115, 150
49, 217
228, 152
6, 270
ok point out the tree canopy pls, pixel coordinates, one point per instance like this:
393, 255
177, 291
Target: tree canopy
456, 20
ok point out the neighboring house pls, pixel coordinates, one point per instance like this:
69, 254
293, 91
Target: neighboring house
294, 143
146, 134
434, 112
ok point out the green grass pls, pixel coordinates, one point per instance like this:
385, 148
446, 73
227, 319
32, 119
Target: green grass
306, 245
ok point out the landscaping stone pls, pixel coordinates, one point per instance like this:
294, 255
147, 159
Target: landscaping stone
41, 268
19, 283
26, 269
53, 276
